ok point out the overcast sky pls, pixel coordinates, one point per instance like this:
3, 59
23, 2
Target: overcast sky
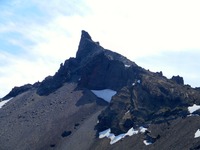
37, 35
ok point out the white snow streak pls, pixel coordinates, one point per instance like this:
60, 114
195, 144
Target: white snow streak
2, 103
197, 134
127, 66
113, 139
193, 108
142, 129
127, 112
105, 133
131, 132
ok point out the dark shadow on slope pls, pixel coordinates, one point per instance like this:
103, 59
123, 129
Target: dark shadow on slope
88, 97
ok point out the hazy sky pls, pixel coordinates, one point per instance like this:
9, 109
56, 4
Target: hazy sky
37, 35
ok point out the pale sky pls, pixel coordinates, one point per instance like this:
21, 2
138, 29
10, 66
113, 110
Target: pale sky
37, 35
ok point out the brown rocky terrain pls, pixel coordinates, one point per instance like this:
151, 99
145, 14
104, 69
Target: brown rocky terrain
63, 113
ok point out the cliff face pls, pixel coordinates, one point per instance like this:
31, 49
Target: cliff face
150, 100
94, 68
63, 109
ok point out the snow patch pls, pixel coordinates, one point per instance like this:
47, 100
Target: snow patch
2, 103
193, 108
146, 142
131, 132
105, 133
127, 112
138, 81
127, 66
113, 139
105, 94
111, 136
116, 138
142, 129
197, 134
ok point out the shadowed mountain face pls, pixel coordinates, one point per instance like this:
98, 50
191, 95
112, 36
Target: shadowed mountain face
61, 111
94, 67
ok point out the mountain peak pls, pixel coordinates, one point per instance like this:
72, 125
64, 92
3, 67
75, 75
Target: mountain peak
150, 108
85, 35
87, 47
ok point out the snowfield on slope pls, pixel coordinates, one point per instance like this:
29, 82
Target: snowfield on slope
113, 139
193, 108
197, 134
105, 94
2, 103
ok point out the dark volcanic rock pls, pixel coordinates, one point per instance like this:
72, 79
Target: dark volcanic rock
72, 67
66, 133
19, 90
64, 74
153, 100
178, 79
95, 67
104, 72
87, 47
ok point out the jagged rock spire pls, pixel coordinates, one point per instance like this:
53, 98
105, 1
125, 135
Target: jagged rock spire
87, 46
85, 35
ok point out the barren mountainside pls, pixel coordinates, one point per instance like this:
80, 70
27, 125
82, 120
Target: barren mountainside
100, 100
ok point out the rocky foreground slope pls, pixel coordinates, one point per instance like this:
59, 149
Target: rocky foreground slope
72, 110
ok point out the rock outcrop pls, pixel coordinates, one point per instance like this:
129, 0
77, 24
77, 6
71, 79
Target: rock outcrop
151, 101
178, 79
94, 67
19, 90
87, 47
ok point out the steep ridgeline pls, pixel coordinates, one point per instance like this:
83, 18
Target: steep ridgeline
143, 101
94, 68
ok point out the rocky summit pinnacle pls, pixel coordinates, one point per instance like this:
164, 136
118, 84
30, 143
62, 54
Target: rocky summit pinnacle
87, 46
96, 99
85, 35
